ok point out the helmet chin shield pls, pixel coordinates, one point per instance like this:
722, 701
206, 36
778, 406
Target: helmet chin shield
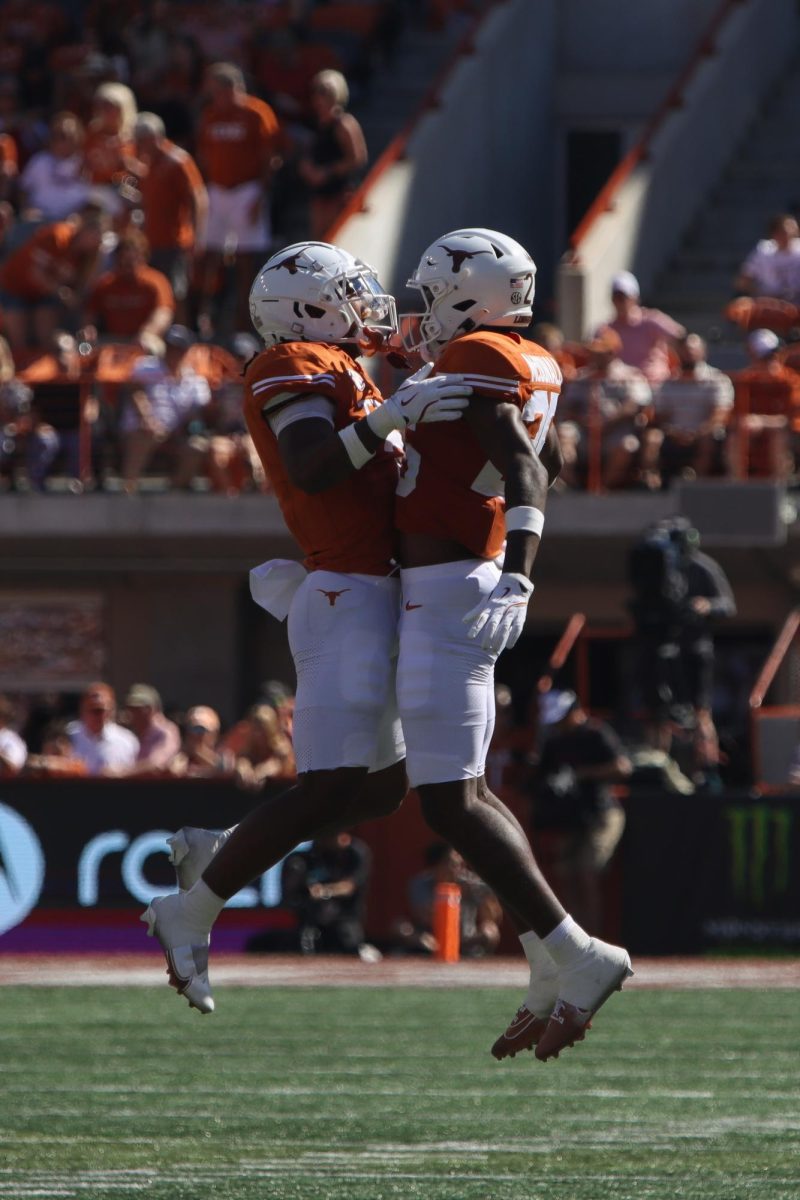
421, 334
373, 310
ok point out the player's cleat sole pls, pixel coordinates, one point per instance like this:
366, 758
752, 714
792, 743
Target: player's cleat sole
601, 972
191, 849
523, 1033
187, 964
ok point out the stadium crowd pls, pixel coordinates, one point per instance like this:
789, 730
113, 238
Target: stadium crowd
642, 406
151, 154
44, 737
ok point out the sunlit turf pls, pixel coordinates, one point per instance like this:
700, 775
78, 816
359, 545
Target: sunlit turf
351, 1094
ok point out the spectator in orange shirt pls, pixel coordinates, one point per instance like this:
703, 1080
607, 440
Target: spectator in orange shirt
132, 301
109, 149
174, 204
45, 279
238, 141
767, 403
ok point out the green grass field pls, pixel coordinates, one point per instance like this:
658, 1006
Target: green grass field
360, 1094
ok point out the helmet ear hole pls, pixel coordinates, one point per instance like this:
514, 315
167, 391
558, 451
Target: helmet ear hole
313, 311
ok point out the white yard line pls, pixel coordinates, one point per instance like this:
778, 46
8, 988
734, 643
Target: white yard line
281, 971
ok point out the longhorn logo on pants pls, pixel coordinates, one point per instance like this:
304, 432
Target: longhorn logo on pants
332, 596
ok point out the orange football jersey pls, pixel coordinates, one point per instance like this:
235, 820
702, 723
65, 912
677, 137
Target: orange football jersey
348, 527
233, 147
449, 489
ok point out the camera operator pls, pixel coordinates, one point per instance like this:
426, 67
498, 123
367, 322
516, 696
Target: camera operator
678, 595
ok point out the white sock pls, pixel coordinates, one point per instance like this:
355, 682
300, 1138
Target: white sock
537, 954
566, 943
541, 994
201, 906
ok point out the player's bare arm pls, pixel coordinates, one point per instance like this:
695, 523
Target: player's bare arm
318, 457
314, 456
551, 456
502, 434
498, 620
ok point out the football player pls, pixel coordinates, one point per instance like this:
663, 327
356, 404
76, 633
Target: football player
331, 448
470, 513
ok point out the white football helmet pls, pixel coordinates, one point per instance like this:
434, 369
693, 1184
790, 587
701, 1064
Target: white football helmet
315, 292
467, 278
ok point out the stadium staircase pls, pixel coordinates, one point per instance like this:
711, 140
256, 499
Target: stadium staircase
387, 96
400, 84
763, 179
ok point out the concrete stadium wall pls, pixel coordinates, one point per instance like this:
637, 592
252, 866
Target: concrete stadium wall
655, 206
478, 157
616, 37
488, 153
170, 577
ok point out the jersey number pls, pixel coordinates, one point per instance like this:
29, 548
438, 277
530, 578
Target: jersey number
537, 415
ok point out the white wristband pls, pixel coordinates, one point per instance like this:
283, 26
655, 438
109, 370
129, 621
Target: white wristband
357, 452
526, 518
383, 419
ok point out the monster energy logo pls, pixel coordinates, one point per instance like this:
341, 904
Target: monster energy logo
760, 839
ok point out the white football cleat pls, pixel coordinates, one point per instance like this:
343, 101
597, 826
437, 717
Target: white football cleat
583, 988
530, 1019
191, 850
185, 950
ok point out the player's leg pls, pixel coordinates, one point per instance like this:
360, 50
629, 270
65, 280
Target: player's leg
345, 706
377, 794
183, 922
530, 1020
588, 970
495, 850
446, 695
342, 633
386, 784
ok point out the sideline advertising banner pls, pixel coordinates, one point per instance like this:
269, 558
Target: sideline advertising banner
80, 859
711, 872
